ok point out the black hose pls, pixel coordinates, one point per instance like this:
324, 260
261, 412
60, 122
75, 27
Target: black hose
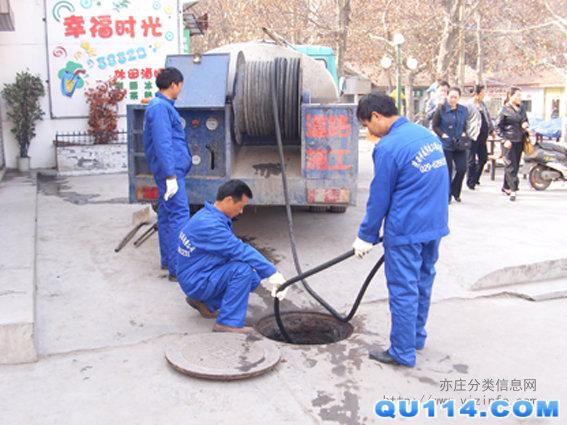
301, 276
253, 112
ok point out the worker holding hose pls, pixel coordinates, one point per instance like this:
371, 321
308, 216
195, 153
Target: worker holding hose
409, 194
169, 161
215, 269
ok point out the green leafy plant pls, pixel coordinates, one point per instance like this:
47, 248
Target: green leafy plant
103, 100
22, 98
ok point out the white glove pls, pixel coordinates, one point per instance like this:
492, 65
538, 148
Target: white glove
171, 188
277, 280
361, 248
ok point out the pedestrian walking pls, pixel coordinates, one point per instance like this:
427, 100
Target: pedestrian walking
512, 126
479, 126
449, 123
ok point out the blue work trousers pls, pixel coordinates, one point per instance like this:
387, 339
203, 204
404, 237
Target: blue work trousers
410, 272
173, 215
227, 290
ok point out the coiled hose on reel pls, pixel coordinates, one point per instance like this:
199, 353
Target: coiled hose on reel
253, 112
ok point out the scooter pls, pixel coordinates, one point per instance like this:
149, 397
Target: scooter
549, 164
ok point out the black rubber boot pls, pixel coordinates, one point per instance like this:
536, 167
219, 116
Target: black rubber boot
383, 357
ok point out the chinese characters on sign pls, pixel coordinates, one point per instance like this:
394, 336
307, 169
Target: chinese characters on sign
321, 127
102, 26
133, 75
92, 41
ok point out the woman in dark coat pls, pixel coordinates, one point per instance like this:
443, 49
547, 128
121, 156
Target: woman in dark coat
512, 126
449, 123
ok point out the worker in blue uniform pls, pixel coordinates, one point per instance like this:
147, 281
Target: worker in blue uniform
169, 159
215, 269
409, 193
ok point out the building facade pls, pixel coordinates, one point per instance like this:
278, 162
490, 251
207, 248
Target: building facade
72, 44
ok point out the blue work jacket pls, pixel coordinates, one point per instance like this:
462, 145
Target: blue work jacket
208, 242
450, 122
167, 151
409, 189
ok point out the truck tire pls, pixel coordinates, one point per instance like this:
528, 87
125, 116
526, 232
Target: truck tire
317, 209
338, 209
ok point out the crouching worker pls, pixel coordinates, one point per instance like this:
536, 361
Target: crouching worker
215, 269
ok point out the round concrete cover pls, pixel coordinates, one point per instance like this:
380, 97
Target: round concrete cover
223, 356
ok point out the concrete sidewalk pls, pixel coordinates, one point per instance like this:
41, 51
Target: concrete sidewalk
127, 383
18, 209
105, 319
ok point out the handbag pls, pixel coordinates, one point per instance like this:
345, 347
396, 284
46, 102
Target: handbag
528, 146
462, 143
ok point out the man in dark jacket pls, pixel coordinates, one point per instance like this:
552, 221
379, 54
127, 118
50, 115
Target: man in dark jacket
409, 194
169, 159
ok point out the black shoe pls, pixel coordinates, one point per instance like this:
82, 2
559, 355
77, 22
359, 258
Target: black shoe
513, 196
172, 278
470, 186
457, 198
383, 357
506, 191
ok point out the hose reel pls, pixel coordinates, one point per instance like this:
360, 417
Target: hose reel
253, 112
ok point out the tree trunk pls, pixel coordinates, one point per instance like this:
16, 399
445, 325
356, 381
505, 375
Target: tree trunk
450, 28
461, 48
342, 34
480, 51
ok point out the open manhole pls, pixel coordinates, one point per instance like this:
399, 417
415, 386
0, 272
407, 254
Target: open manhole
305, 328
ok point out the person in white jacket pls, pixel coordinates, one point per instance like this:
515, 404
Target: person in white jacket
479, 127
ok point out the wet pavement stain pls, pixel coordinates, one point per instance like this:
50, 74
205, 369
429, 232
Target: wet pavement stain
322, 399
347, 411
310, 362
343, 361
267, 252
461, 368
427, 380
267, 169
244, 364
59, 187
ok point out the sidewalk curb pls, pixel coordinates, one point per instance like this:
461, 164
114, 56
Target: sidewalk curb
525, 273
18, 273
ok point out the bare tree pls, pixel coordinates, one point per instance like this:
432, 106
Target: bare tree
344, 10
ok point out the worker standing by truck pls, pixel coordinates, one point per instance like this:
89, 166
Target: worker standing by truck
409, 193
169, 160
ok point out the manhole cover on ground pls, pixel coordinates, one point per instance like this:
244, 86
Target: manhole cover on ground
223, 356
305, 328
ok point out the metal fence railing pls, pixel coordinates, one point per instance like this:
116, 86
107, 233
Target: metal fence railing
86, 138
